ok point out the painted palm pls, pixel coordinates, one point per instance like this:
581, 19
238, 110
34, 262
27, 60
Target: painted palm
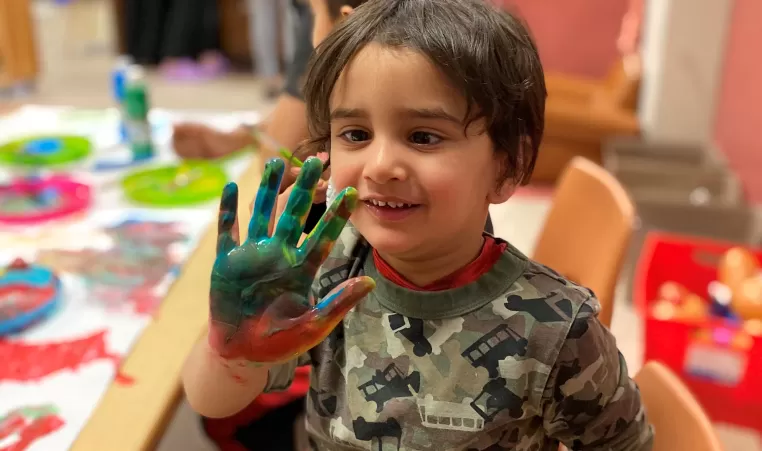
261, 304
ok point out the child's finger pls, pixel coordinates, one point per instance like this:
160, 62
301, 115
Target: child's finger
280, 207
323, 156
341, 299
321, 239
227, 230
291, 222
265, 201
298, 334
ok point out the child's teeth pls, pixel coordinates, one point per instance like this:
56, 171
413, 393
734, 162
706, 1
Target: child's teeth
381, 203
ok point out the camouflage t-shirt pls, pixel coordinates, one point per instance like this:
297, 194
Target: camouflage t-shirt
516, 360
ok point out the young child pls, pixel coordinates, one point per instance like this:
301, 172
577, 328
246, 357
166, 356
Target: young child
432, 110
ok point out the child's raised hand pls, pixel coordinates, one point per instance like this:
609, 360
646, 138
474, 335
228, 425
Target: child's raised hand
198, 141
260, 302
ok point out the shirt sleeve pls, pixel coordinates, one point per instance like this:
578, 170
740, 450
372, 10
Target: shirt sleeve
280, 377
590, 402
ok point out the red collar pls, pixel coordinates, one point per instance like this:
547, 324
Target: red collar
489, 255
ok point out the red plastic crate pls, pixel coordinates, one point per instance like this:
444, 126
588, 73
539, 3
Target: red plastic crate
692, 262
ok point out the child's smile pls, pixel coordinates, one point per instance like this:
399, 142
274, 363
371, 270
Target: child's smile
386, 208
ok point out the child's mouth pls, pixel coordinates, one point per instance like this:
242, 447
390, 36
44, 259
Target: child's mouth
390, 211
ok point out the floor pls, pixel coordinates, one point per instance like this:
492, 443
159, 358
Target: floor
75, 46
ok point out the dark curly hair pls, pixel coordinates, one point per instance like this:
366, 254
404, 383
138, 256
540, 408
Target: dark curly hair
487, 55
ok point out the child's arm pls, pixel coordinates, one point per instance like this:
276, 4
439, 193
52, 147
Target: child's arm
219, 388
286, 124
216, 388
590, 401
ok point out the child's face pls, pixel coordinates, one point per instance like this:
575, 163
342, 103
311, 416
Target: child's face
323, 22
397, 135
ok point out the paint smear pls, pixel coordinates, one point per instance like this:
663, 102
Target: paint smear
23, 362
28, 425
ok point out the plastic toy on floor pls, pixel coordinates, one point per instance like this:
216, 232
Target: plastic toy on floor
45, 151
28, 294
31, 200
186, 184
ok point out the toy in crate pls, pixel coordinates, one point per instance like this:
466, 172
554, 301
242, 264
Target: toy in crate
702, 303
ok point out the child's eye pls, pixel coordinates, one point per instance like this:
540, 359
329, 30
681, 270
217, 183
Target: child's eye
425, 139
356, 135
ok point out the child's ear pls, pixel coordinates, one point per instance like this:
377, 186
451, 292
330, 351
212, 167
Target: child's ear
507, 187
503, 187
502, 193
346, 10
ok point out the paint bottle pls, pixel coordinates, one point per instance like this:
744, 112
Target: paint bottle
136, 107
118, 81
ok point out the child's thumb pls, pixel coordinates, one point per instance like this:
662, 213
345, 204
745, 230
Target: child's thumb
342, 299
318, 322
301, 333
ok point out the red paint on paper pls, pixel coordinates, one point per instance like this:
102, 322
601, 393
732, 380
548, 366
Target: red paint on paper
123, 379
25, 362
28, 426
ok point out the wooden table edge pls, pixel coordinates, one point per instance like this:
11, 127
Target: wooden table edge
134, 417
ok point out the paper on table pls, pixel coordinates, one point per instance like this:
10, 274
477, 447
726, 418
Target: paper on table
46, 400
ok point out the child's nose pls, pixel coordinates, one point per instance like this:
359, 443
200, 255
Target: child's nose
386, 161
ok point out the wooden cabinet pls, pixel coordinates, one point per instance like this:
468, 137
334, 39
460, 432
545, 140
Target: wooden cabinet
580, 115
18, 48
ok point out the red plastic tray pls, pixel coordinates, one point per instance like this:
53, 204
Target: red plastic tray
725, 378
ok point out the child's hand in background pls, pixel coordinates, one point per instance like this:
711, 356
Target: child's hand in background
198, 141
260, 302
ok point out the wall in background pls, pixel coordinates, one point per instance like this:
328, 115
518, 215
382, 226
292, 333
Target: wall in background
579, 37
738, 129
574, 36
684, 49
